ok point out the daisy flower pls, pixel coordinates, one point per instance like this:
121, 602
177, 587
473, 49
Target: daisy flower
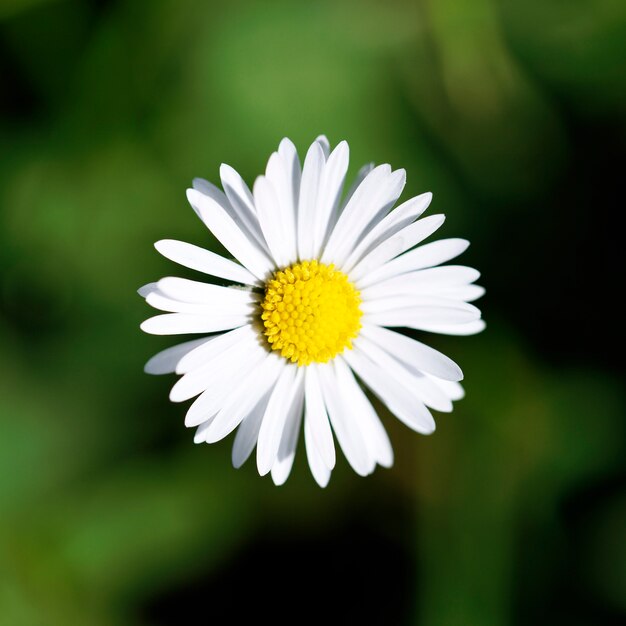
303, 324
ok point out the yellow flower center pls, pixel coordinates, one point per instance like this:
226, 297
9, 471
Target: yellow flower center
310, 312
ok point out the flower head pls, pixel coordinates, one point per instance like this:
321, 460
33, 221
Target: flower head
317, 281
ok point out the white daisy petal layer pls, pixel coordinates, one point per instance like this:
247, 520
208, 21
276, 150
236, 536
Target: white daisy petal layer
376, 439
202, 260
309, 185
392, 223
221, 224
165, 362
248, 432
393, 246
425, 256
400, 400
321, 473
317, 417
287, 449
345, 426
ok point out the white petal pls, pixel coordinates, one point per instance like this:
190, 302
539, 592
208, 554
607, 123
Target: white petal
215, 309
435, 278
278, 174
274, 419
370, 202
224, 382
422, 257
317, 417
360, 177
414, 353
271, 217
165, 362
427, 310
392, 223
244, 219
399, 400
309, 188
192, 291
320, 471
289, 155
408, 237
224, 356
241, 200
221, 224
202, 260
186, 324
248, 432
345, 426
322, 140
244, 398
146, 290
374, 433
416, 382
287, 450
469, 328
205, 353
452, 389
329, 194
468, 293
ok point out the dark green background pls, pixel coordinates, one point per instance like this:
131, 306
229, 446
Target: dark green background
511, 112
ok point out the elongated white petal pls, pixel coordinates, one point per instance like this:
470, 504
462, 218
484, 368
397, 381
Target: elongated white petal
373, 431
369, 204
242, 216
400, 400
392, 223
192, 291
322, 140
244, 398
274, 420
317, 417
426, 310
425, 256
221, 224
309, 187
215, 309
206, 352
224, 381
145, 290
360, 177
320, 471
452, 389
287, 449
467, 293
345, 426
271, 218
186, 324
408, 237
329, 194
242, 202
231, 355
469, 328
248, 432
435, 278
279, 192
202, 260
165, 362
414, 353
416, 382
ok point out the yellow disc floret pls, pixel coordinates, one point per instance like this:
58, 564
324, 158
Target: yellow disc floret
310, 312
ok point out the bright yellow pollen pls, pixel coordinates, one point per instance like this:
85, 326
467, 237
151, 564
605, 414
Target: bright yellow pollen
310, 312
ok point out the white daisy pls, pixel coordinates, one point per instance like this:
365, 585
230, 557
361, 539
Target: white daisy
317, 282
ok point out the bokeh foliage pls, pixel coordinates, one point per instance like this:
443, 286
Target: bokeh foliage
510, 112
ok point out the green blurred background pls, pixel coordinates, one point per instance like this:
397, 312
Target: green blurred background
511, 112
